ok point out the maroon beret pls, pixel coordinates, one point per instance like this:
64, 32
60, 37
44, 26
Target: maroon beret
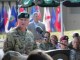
64, 38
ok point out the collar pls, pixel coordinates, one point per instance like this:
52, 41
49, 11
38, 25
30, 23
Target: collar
21, 32
36, 23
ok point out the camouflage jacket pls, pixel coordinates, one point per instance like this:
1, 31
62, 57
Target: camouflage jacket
47, 46
17, 40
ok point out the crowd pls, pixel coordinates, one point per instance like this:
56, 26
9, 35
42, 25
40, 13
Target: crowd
28, 41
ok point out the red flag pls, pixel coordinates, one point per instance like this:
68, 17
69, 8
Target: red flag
5, 18
57, 22
21, 9
47, 19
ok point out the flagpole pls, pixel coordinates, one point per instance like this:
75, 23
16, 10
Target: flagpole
62, 28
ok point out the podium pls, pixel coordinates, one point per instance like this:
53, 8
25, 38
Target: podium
58, 54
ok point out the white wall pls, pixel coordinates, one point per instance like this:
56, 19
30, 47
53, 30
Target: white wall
71, 18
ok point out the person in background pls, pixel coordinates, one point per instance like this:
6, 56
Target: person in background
54, 41
75, 52
36, 27
20, 39
13, 55
64, 42
75, 35
47, 45
1, 53
79, 42
46, 35
39, 55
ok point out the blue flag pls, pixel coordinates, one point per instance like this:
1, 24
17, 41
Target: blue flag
13, 18
2, 27
53, 19
33, 10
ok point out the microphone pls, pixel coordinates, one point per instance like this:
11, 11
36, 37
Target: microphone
66, 45
62, 43
39, 29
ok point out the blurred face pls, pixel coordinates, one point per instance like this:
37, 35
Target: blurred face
35, 17
64, 44
75, 43
52, 40
46, 37
23, 22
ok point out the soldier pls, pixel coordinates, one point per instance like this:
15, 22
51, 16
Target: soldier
75, 52
13, 55
75, 35
47, 45
39, 55
20, 39
54, 41
64, 42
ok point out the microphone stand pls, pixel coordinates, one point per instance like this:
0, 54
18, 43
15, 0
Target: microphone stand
40, 31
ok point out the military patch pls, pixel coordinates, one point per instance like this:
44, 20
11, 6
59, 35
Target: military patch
26, 15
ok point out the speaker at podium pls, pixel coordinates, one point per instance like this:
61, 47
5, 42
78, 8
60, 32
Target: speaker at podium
59, 54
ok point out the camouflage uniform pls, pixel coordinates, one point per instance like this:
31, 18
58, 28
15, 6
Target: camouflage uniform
17, 40
47, 46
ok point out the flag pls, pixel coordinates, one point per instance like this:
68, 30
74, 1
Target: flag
7, 22
21, 9
58, 20
53, 19
46, 19
5, 18
13, 17
33, 10
2, 20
